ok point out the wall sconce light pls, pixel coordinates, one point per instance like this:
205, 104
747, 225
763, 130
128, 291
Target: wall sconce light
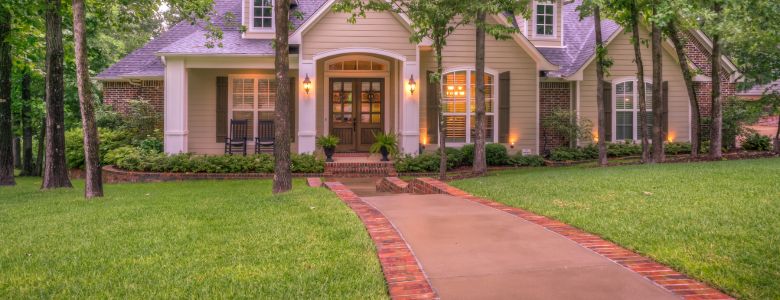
307, 84
512, 145
412, 85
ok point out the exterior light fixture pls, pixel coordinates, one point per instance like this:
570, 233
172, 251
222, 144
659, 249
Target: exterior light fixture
412, 85
307, 84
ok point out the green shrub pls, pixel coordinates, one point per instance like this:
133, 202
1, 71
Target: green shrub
107, 117
624, 149
567, 154
454, 158
677, 148
426, 162
306, 163
496, 155
109, 140
520, 160
467, 152
757, 142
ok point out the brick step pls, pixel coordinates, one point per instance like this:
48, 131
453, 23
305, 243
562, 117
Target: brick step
359, 169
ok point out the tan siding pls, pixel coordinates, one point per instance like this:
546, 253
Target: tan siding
377, 30
622, 52
501, 56
202, 94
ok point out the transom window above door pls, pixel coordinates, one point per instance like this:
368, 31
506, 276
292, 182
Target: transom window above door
357, 65
263, 14
459, 104
627, 112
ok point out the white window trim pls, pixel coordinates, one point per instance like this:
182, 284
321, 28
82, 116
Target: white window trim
255, 111
635, 110
468, 112
252, 28
554, 24
357, 58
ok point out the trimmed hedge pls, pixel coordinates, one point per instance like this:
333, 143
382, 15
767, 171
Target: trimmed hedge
496, 155
613, 150
136, 159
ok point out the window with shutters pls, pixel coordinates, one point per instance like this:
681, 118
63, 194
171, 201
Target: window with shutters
626, 110
459, 106
251, 98
262, 15
544, 18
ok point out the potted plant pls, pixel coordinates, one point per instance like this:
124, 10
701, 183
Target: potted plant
328, 144
385, 144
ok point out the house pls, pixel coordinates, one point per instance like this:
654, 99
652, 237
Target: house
758, 91
360, 79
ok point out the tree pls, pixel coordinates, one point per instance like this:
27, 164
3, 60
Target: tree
658, 97
27, 134
6, 130
592, 7
93, 180
716, 134
282, 173
55, 172
679, 47
430, 19
644, 132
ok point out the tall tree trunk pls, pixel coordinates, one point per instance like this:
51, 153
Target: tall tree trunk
17, 146
27, 134
55, 171
38, 170
600, 87
93, 179
716, 134
437, 48
480, 160
282, 172
6, 127
777, 136
679, 47
644, 133
658, 105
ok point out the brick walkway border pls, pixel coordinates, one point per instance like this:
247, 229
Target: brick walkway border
404, 276
667, 278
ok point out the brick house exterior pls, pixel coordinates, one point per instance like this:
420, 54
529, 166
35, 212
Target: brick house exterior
118, 94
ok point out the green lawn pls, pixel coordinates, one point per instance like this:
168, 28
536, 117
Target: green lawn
215, 239
718, 222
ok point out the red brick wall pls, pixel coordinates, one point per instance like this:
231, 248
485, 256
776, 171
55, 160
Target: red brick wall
552, 95
117, 94
700, 57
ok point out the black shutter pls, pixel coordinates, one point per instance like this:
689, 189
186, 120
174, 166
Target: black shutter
222, 109
665, 113
607, 99
504, 85
293, 100
431, 111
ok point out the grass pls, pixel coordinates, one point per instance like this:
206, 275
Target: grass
718, 222
206, 239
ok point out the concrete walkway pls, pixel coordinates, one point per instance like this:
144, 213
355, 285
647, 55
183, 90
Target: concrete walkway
471, 251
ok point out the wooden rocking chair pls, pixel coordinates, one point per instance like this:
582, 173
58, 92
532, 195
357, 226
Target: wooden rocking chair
264, 142
237, 140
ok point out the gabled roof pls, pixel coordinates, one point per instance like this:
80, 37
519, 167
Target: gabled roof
189, 39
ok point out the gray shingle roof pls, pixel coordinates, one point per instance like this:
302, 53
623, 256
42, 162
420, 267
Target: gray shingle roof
579, 41
759, 90
190, 39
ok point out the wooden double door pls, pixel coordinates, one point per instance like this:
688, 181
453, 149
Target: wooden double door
357, 111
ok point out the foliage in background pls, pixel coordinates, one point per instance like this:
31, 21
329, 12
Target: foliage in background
564, 122
109, 140
757, 142
737, 115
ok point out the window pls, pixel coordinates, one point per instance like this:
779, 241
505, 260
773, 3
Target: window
459, 106
356, 65
627, 112
252, 98
262, 14
545, 18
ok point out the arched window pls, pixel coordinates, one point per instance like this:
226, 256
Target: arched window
357, 64
459, 106
626, 111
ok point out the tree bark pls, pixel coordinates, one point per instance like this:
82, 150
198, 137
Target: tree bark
27, 134
679, 47
282, 172
644, 133
437, 48
480, 159
38, 169
716, 137
93, 180
602, 143
55, 171
658, 105
17, 146
6, 127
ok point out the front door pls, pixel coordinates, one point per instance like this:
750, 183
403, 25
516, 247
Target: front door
356, 112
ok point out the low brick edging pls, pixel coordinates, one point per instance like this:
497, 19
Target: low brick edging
314, 181
663, 276
404, 275
391, 185
114, 175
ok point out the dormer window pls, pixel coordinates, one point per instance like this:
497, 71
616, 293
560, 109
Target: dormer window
544, 13
262, 15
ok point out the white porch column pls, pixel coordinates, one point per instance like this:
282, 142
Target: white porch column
410, 109
307, 107
175, 122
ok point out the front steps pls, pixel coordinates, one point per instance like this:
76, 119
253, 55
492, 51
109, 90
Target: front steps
359, 169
